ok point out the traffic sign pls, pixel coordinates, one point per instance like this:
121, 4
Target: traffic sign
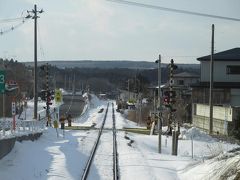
58, 96
2, 82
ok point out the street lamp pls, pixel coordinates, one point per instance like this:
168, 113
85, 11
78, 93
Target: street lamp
34, 16
159, 105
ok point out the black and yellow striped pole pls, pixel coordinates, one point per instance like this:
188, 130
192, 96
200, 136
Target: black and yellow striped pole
47, 95
172, 95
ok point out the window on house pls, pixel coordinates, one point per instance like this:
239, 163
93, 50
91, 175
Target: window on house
233, 69
180, 82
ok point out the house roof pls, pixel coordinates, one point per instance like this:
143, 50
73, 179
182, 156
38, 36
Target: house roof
186, 75
228, 55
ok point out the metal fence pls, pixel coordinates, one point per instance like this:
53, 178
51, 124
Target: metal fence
24, 127
21, 127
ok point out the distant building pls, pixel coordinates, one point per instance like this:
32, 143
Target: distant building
226, 92
127, 95
185, 79
183, 82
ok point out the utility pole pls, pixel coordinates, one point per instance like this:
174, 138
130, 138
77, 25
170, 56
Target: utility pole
65, 82
159, 105
128, 90
35, 12
69, 83
211, 84
74, 83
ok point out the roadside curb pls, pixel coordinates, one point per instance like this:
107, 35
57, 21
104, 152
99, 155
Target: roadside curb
6, 145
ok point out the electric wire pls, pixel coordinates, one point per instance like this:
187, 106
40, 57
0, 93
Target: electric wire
11, 20
13, 27
173, 10
42, 52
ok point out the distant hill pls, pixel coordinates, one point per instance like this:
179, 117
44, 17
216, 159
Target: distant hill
108, 64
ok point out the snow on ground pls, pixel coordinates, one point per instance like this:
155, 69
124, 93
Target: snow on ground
103, 160
49, 157
90, 114
64, 157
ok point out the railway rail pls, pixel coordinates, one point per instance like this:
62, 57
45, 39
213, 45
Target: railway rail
96, 144
115, 153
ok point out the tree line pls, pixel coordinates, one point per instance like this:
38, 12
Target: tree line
97, 79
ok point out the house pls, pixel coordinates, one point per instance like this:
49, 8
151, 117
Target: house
183, 82
185, 79
226, 93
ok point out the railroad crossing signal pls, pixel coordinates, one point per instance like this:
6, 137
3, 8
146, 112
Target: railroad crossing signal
2, 82
58, 96
166, 100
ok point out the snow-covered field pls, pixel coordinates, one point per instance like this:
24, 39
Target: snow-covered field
64, 157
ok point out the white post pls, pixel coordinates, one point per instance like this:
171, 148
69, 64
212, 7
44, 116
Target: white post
192, 145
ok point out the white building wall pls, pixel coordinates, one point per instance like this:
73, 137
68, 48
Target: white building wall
220, 74
222, 116
221, 113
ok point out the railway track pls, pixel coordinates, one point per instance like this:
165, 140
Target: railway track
96, 145
115, 153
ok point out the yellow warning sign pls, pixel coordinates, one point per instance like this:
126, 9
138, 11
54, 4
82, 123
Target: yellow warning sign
58, 96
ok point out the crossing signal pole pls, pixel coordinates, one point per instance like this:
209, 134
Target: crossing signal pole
47, 93
172, 100
159, 105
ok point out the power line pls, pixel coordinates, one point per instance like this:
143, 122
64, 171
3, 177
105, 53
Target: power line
173, 10
11, 20
9, 29
40, 43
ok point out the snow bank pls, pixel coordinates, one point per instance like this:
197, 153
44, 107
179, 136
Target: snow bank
196, 134
90, 111
225, 166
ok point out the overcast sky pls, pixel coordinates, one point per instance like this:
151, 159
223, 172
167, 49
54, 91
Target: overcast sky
103, 30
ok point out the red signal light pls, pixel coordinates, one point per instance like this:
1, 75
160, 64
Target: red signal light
166, 100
